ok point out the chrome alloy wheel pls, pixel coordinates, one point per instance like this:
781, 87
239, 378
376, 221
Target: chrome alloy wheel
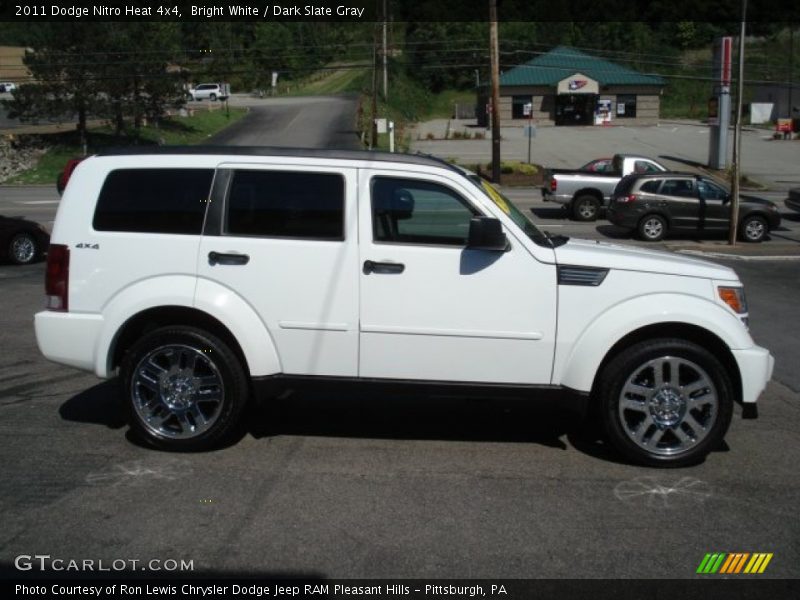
177, 391
668, 405
653, 228
23, 249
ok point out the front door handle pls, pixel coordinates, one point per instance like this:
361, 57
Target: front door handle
220, 258
370, 266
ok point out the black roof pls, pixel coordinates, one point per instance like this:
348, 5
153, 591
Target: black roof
366, 155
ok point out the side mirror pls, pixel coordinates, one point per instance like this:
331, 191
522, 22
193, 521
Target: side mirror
486, 233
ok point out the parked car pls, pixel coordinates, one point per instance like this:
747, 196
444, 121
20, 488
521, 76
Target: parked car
382, 270
793, 201
7, 87
657, 204
209, 91
22, 241
585, 193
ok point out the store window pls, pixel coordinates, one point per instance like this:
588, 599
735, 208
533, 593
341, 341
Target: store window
626, 106
518, 106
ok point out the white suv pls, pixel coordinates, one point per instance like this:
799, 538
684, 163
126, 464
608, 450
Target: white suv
208, 91
208, 276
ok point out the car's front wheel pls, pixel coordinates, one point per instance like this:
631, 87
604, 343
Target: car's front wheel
185, 389
753, 229
23, 249
666, 402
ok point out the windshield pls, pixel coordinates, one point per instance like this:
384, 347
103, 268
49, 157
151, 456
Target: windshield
510, 209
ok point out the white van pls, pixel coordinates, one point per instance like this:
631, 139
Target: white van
208, 276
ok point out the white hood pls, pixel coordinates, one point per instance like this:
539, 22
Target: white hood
614, 256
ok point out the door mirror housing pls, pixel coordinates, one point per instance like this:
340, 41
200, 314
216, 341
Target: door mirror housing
486, 233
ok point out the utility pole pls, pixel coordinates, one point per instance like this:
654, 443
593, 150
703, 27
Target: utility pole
495, 65
737, 136
385, 70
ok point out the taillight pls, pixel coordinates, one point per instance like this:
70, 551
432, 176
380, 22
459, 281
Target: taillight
553, 184
56, 282
628, 198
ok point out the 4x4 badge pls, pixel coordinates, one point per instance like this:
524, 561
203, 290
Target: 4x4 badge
91, 246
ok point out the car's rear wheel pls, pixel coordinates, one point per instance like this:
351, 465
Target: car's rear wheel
652, 228
185, 389
753, 229
23, 249
212, 97
585, 208
666, 402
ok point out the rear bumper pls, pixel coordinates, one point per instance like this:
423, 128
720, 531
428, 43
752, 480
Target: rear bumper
69, 338
755, 366
549, 196
623, 218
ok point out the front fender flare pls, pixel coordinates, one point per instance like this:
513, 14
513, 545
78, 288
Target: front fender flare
578, 368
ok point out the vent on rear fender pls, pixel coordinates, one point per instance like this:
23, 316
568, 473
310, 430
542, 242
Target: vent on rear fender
572, 275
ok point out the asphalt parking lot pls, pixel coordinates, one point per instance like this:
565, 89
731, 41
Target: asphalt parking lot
341, 486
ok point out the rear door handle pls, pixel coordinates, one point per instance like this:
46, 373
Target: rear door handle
220, 258
370, 266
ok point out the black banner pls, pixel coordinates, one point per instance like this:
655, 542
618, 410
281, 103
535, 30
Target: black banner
33, 11
416, 589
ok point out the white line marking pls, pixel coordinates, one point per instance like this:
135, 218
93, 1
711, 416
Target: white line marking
38, 201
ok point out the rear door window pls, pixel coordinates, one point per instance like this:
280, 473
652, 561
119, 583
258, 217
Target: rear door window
287, 204
682, 188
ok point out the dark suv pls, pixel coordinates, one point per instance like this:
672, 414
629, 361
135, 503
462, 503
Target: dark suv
657, 203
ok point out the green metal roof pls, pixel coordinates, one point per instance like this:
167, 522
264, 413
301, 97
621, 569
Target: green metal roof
563, 61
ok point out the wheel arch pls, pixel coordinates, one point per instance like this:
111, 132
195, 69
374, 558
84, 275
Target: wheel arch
696, 319
162, 316
598, 195
686, 331
658, 212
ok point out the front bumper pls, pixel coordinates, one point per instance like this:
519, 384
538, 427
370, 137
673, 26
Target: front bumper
755, 367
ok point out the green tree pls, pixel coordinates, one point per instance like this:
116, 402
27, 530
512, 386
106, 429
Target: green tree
63, 64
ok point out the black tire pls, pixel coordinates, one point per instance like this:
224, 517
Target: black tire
184, 388
212, 97
680, 421
23, 249
585, 208
652, 228
753, 229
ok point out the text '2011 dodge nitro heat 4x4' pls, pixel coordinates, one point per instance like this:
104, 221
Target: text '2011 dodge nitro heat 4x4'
208, 276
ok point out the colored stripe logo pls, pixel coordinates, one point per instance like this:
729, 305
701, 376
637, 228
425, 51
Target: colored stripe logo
734, 563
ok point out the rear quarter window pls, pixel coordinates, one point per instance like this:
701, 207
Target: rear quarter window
154, 201
650, 186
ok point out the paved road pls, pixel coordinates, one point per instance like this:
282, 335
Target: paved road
347, 486
320, 122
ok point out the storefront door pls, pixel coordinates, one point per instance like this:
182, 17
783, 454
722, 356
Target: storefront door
575, 109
